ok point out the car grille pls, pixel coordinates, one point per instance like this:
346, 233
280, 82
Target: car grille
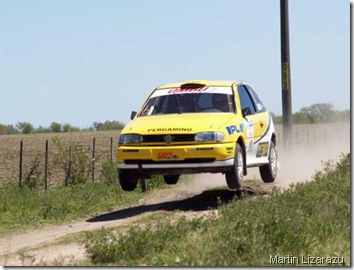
175, 138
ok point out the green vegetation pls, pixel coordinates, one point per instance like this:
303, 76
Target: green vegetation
28, 128
309, 219
74, 160
28, 208
313, 114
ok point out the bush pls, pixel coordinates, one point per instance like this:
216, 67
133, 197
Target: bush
74, 160
109, 172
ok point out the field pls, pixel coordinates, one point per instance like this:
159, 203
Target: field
34, 149
324, 140
55, 223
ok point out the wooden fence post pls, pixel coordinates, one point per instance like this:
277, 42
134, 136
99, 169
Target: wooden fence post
68, 173
46, 166
143, 184
111, 150
93, 158
20, 165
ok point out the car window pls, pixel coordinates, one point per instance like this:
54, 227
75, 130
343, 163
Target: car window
259, 104
246, 100
209, 99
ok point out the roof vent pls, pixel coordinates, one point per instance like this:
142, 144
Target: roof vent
192, 85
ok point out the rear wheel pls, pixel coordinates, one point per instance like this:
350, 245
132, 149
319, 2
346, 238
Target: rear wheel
128, 181
234, 176
269, 171
171, 179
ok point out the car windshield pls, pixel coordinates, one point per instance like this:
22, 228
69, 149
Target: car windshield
190, 100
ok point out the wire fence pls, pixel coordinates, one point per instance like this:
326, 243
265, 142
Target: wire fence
36, 157
49, 160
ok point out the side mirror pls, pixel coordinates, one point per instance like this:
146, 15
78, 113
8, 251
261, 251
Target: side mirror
245, 111
132, 115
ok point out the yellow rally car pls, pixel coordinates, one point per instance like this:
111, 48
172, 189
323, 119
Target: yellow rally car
198, 127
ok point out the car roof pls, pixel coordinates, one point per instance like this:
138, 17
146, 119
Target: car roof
204, 82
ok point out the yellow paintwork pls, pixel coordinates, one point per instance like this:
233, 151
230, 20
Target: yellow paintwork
208, 83
191, 123
177, 152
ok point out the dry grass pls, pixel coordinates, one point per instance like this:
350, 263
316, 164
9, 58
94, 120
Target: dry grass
34, 146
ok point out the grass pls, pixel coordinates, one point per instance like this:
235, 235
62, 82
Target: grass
28, 208
309, 219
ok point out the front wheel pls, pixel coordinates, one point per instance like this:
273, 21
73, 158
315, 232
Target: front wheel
171, 179
234, 176
128, 181
269, 171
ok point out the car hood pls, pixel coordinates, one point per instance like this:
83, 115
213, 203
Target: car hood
179, 123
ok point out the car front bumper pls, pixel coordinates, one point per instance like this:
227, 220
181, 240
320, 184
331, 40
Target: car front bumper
195, 158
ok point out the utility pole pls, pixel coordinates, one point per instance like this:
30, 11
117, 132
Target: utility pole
285, 73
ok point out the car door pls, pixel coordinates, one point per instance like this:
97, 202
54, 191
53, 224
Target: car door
261, 115
255, 119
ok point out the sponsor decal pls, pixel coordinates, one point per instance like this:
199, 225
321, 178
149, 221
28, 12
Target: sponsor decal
205, 148
169, 129
250, 133
167, 155
229, 150
187, 90
233, 128
262, 149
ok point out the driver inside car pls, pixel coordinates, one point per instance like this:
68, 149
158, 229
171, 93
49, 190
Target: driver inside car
220, 102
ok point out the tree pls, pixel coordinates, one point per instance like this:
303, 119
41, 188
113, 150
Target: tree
10, 129
108, 125
2, 128
41, 129
315, 113
25, 127
324, 112
55, 127
69, 128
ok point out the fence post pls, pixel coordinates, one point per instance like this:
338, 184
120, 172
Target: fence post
143, 184
20, 165
46, 166
68, 173
111, 149
93, 158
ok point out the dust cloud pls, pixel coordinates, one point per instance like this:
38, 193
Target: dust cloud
297, 163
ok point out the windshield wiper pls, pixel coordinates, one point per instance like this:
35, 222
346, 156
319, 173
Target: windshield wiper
179, 104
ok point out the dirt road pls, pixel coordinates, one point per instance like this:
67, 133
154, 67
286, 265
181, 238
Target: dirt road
40, 247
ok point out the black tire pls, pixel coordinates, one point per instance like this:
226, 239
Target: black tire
128, 181
269, 171
234, 176
171, 179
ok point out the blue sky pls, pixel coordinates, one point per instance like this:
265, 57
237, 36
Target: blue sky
81, 61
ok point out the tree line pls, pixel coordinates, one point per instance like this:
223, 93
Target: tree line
28, 128
313, 114
318, 113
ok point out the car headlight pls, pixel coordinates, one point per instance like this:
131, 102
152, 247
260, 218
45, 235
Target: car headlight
130, 139
209, 137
